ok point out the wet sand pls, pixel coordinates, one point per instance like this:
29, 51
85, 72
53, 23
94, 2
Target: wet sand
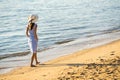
99, 63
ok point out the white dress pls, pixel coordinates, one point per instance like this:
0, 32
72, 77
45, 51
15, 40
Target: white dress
32, 41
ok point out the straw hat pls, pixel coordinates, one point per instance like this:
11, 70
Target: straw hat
33, 18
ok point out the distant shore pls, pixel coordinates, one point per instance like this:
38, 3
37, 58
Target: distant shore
102, 62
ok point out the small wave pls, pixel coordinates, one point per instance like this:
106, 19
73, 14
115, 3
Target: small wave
14, 55
112, 30
64, 41
44, 49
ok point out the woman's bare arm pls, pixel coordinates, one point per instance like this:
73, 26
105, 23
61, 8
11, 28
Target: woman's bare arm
27, 32
35, 33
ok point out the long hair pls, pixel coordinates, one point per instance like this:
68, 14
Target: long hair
30, 25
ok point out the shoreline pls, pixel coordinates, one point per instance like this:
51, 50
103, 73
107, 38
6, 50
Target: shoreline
56, 68
89, 41
54, 52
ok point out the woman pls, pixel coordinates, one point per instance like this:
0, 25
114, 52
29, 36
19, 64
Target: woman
31, 33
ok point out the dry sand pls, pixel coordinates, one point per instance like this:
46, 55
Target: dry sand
99, 63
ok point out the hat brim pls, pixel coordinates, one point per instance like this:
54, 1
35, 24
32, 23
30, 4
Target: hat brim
33, 19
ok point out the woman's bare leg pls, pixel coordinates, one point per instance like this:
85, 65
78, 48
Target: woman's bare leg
32, 59
37, 62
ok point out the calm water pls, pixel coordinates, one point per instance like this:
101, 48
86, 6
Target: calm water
59, 21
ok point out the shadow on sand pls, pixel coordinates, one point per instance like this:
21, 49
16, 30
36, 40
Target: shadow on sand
76, 65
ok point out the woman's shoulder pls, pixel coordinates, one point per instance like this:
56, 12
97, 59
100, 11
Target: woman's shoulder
35, 24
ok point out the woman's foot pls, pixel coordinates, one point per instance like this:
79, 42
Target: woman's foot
32, 65
37, 63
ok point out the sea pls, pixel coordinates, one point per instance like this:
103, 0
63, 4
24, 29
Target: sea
64, 27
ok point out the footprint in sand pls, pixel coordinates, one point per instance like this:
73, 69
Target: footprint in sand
112, 52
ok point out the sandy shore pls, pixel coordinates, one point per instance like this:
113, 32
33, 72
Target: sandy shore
99, 63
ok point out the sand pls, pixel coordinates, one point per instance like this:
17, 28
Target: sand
99, 63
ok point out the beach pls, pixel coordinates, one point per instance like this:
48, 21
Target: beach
98, 63
64, 27
78, 40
